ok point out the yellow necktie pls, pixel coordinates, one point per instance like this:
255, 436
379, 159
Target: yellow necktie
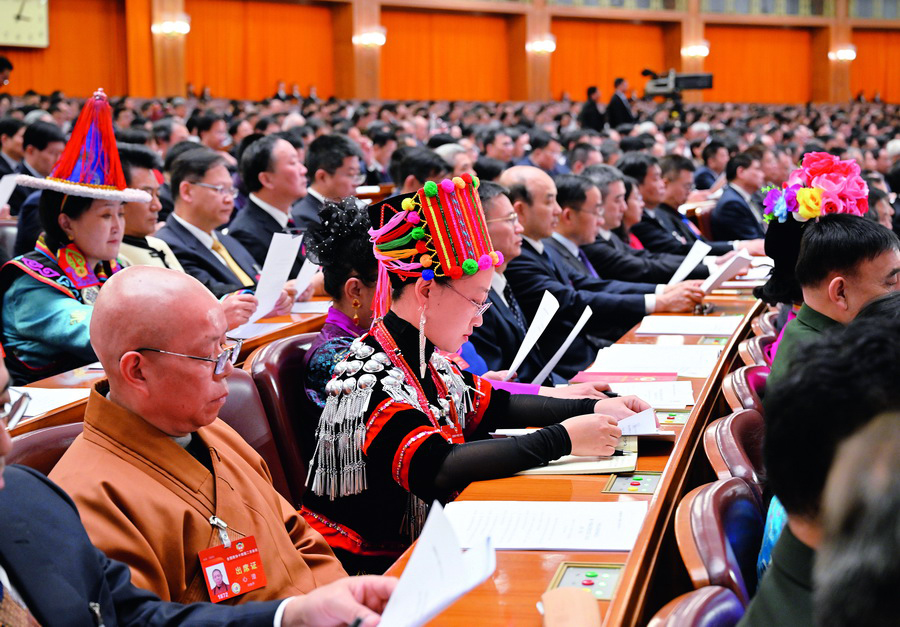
242, 276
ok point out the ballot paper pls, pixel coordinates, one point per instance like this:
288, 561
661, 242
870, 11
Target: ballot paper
545, 311
660, 394
689, 325
548, 526
550, 365
727, 271
757, 273
691, 360
641, 423
694, 258
279, 261
48, 399
438, 573
305, 276
7, 186
311, 307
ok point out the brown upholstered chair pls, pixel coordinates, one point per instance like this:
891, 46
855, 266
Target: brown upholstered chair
277, 370
734, 445
8, 231
244, 412
754, 351
719, 528
744, 388
703, 216
42, 448
711, 606
764, 323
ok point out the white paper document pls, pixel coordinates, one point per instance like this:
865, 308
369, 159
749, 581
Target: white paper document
254, 329
641, 423
311, 307
548, 307
660, 394
727, 271
693, 259
688, 360
305, 276
7, 186
550, 365
548, 526
689, 325
279, 261
48, 399
437, 574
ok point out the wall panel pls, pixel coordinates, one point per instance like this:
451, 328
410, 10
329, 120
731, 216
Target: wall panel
875, 67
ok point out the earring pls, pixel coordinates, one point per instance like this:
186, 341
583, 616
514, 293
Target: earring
422, 343
356, 305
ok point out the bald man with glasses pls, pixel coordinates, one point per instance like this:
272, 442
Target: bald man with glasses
158, 479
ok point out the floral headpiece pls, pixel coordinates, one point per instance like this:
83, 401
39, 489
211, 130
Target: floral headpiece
822, 185
437, 231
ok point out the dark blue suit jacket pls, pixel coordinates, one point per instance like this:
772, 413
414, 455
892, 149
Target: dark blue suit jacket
29, 226
732, 218
614, 259
200, 262
667, 233
617, 305
306, 212
254, 228
704, 178
498, 339
58, 572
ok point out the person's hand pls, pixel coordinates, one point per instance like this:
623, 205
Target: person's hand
5, 212
755, 247
593, 434
698, 195
239, 308
680, 297
318, 283
284, 304
307, 293
576, 390
341, 602
621, 407
497, 375
723, 258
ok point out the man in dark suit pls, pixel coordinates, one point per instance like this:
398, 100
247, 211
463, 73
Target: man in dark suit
12, 132
334, 169
43, 144
546, 150
715, 158
612, 257
590, 115
665, 186
618, 111
735, 216
204, 198
616, 305
276, 178
384, 143
57, 577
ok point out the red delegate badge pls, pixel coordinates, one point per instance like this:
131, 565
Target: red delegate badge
233, 571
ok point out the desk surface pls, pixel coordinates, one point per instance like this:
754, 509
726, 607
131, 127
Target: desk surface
294, 324
651, 575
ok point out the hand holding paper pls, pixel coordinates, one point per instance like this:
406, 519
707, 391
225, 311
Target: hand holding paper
741, 261
694, 258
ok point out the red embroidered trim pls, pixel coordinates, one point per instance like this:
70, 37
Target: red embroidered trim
404, 454
342, 537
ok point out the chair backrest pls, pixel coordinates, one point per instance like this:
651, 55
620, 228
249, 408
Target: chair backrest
753, 351
42, 448
744, 388
719, 529
8, 231
710, 606
734, 446
704, 219
277, 370
244, 412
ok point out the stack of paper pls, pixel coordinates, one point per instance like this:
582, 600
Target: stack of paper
688, 361
726, 271
311, 307
689, 325
660, 394
48, 399
548, 526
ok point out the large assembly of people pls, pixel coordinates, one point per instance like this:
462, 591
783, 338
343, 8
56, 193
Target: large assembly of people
142, 228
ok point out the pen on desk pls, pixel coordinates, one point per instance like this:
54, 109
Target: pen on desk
357, 622
618, 452
611, 394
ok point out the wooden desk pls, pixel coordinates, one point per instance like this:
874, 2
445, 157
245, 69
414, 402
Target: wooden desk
653, 573
84, 378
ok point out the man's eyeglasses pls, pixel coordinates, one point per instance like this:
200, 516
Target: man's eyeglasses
12, 413
511, 218
221, 189
480, 308
230, 354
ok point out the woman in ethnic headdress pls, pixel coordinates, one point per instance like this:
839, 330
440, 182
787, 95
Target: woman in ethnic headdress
48, 293
402, 425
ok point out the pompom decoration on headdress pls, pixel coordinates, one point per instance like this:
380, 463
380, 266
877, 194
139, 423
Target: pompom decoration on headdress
822, 185
90, 165
438, 231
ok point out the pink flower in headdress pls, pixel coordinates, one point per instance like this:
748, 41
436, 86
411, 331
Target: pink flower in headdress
829, 182
818, 163
855, 189
797, 178
831, 202
846, 168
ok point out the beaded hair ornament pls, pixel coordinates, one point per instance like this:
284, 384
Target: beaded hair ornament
89, 165
438, 231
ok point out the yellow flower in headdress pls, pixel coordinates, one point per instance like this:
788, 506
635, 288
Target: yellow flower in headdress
809, 202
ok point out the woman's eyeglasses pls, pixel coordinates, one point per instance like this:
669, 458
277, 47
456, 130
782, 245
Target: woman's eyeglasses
480, 308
